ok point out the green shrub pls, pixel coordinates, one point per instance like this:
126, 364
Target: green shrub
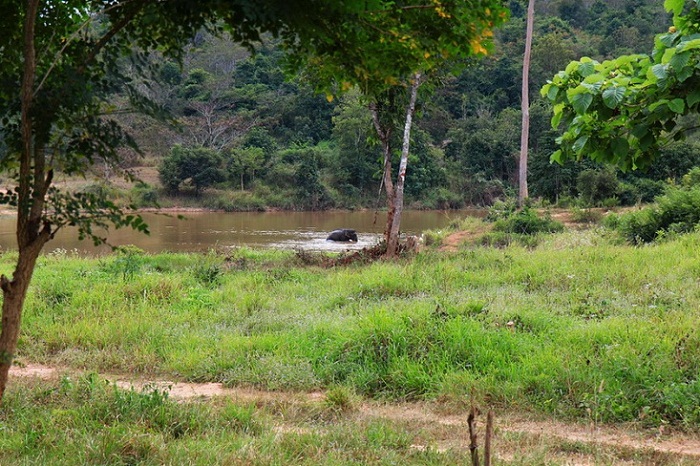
640, 226
128, 262
434, 237
692, 178
199, 166
101, 190
677, 211
442, 198
628, 194
648, 189
143, 195
611, 221
596, 185
501, 210
527, 222
208, 273
610, 202
235, 201
680, 206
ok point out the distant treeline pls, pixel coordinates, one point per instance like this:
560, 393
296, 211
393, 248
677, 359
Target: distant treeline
252, 137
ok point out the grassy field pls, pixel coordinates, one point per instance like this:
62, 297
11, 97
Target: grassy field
578, 327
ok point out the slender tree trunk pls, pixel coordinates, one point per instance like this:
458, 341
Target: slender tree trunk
525, 131
393, 238
385, 139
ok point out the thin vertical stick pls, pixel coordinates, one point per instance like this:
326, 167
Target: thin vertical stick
473, 444
487, 440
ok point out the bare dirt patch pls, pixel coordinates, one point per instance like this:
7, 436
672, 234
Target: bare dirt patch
517, 435
452, 242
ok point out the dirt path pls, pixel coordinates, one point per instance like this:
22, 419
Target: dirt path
449, 431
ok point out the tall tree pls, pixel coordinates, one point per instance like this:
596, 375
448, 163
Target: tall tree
404, 42
65, 57
525, 107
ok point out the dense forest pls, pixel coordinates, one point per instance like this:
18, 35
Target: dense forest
240, 133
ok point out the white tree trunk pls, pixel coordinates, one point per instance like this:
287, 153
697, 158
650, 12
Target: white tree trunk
525, 105
393, 239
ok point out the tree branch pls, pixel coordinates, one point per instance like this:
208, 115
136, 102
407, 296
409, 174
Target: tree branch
70, 40
109, 35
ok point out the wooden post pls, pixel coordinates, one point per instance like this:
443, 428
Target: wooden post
473, 444
487, 440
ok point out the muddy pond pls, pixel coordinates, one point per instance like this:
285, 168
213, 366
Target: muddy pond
202, 231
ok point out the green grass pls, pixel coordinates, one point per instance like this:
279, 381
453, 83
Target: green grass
577, 326
87, 421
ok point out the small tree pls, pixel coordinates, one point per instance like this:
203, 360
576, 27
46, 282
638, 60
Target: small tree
198, 166
402, 44
244, 162
309, 188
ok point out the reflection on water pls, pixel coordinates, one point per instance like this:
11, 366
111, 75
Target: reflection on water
201, 231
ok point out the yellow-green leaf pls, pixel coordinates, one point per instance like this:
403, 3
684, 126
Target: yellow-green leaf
676, 6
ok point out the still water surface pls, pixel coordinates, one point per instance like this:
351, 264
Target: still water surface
201, 231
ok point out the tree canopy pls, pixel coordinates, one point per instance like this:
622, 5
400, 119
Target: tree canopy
398, 39
623, 111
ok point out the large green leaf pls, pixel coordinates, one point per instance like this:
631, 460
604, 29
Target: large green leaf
580, 102
688, 45
580, 143
556, 157
620, 146
668, 55
679, 60
693, 98
659, 71
586, 68
613, 96
657, 104
677, 105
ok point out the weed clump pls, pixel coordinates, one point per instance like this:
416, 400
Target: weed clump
128, 262
512, 226
340, 398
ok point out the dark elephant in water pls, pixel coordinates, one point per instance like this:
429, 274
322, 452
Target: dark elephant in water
344, 234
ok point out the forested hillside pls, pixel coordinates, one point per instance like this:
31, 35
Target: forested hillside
241, 134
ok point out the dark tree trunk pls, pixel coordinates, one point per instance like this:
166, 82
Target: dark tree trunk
32, 232
385, 140
14, 292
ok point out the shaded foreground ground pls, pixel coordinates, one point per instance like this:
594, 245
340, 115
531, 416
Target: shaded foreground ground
520, 438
